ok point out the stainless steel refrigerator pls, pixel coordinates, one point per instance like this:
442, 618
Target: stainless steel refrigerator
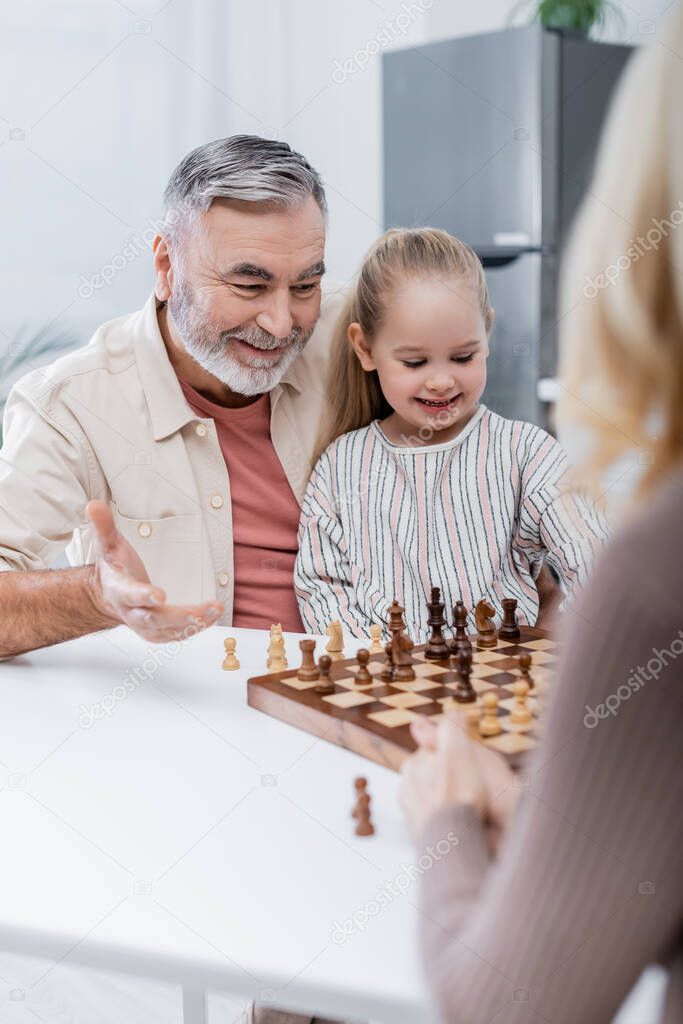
493, 138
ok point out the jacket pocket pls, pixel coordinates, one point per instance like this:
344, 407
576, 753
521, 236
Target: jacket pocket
172, 550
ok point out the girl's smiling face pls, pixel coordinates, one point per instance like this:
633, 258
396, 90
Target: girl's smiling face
430, 356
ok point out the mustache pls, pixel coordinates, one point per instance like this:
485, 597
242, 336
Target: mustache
259, 338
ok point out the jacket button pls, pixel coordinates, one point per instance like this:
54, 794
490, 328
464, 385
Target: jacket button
145, 530
216, 501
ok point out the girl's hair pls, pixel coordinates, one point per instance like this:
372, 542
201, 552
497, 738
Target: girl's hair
399, 255
621, 340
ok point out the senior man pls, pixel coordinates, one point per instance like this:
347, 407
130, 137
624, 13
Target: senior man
169, 455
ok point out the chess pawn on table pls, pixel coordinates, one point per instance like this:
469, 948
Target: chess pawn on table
525, 669
509, 629
437, 648
230, 662
464, 693
325, 686
387, 673
521, 714
360, 785
362, 677
489, 724
308, 670
376, 639
364, 826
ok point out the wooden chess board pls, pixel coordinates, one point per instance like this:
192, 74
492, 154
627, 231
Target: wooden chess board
374, 719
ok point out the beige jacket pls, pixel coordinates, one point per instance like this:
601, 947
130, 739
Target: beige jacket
110, 421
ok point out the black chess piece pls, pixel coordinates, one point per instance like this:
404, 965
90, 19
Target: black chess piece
362, 676
464, 693
325, 686
525, 669
437, 648
387, 673
460, 622
509, 629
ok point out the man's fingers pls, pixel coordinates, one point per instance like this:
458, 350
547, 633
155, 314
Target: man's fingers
102, 519
183, 621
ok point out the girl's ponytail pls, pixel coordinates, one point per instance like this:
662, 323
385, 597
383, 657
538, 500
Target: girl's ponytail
355, 397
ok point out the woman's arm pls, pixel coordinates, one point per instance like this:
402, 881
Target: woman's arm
587, 889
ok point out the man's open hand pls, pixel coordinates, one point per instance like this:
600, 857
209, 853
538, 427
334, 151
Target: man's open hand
124, 592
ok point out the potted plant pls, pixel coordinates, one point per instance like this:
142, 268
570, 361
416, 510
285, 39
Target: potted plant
574, 16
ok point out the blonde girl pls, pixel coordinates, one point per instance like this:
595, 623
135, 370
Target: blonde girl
417, 482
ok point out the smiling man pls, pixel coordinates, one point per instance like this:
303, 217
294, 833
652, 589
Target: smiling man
170, 455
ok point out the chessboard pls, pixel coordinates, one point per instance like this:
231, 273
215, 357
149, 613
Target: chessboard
373, 719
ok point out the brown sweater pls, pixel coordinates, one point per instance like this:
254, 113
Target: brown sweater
588, 888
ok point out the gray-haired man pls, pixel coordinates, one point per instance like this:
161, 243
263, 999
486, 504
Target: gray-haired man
170, 455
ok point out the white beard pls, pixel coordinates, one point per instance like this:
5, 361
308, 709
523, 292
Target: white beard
255, 379
211, 349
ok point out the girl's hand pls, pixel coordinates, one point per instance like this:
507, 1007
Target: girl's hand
450, 768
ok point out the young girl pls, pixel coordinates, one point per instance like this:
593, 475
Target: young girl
418, 483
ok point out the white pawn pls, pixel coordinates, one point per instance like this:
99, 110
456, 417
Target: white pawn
376, 646
230, 661
520, 714
489, 724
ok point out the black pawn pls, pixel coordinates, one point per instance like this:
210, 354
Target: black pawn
525, 669
464, 693
362, 676
325, 686
437, 648
387, 673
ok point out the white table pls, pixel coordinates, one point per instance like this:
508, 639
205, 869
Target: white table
185, 836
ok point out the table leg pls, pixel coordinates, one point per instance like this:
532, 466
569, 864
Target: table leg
195, 1010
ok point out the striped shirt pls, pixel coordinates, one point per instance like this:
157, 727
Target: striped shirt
475, 516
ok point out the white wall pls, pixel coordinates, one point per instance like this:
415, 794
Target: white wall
101, 98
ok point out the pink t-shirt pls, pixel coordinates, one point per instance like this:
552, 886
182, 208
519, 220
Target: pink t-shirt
265, 514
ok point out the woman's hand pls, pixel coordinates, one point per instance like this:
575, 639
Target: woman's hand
450, 768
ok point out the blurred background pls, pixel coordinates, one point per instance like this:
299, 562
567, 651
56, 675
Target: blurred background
405, 120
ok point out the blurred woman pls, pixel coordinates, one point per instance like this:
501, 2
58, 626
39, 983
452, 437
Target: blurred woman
557, 920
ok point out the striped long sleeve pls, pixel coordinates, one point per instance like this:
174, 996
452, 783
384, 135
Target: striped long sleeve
564, 523
325, 580
475, 516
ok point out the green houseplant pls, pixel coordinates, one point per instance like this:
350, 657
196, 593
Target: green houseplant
578, 16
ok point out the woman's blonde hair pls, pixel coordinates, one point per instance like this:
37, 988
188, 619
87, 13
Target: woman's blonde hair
399, 255
621, 337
